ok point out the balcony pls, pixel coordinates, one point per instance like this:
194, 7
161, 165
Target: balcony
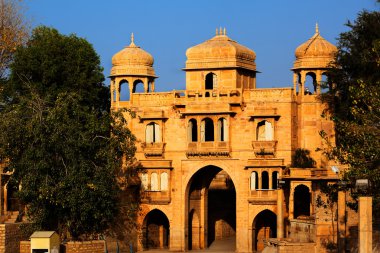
155, 197
263, 197
154, 149
264, 148
208, 149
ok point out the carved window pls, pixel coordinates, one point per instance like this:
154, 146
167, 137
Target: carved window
274, 180
211, 81
152, 133
154, 182
144, 181
264, 180
207, 130
222, 130
264, 131
164, 181
192, 131
254, 181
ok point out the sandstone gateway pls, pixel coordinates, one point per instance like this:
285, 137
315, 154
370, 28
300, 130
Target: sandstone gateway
213, 155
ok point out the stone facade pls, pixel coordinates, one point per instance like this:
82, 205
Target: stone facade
213, 154
24, 246
85, 247
10, 236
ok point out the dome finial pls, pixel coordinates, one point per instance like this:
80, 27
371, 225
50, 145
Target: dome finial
316, 28
224, 31
132, 40
220, 30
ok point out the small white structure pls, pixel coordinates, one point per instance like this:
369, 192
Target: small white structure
44, 242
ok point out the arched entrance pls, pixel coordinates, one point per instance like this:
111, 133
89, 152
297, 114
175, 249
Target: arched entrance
263, 227
211, 208
155, 230
301, 201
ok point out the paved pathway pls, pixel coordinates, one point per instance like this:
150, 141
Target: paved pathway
225, 245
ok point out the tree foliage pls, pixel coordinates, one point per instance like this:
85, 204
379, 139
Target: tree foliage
354, 100
14, 32
59, 138
302, 159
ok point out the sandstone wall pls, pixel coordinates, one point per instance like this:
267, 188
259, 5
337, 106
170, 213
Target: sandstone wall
24, 246
10, 237
85, 247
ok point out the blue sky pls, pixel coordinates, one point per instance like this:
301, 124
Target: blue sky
166, 28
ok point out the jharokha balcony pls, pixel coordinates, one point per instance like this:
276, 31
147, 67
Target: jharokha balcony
153, 149
264, 148
155, 197
208, 148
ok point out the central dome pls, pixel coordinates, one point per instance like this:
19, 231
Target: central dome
220, 52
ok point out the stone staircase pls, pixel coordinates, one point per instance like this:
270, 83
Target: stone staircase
10, 217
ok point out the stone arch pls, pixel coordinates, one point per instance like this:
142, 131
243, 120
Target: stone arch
264, 226
138, 86
207, 192
192, 130
211, 81
301, 201
207, 130
123, 90
156, 230
310, 83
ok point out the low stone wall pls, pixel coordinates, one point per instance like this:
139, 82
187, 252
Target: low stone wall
286, 246
10, 237
25, 247
85, 247
302, 230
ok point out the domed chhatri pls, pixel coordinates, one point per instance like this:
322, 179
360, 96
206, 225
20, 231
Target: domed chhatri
220, 52
132, 60
314, 53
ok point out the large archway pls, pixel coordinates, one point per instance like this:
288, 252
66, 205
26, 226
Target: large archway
155, 230
264, 226
210, 209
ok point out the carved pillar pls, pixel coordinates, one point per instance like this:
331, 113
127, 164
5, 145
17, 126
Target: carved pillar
117, 87
280, 213
318, 79
301, 89
295, 83
152, 85
146, 85
291, 202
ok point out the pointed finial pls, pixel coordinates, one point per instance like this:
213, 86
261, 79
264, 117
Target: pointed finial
132, 41
224, 31
316, 28
220, 30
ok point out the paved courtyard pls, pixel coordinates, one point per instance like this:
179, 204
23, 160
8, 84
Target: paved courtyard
226, 245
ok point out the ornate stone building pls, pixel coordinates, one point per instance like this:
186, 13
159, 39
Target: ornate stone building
217, 157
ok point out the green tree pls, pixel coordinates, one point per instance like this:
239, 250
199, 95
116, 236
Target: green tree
354, 100
58, 137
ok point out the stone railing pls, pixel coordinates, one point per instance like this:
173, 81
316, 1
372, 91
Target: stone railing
156, 197
223, 95
209, 148
263, 196
154, 149
264, 147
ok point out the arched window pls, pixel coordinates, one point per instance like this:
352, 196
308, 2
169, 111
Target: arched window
254, 181
264, 131
144, 181
211, 81
264, 180
207, 130
192, 132
152, 133
164, 181
222, 130
154, 182
310, 83
301, 201
123, 91
138, 87
274, 180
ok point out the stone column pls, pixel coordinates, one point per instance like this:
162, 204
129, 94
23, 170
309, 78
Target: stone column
341, 221
295, 83
117, 87
365, 224
280, 213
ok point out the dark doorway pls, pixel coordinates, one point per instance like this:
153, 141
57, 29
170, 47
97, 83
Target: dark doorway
301, 201
156, 230
264, 226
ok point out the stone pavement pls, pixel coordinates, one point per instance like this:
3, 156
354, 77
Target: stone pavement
225, 245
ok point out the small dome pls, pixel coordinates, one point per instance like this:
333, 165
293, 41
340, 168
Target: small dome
132, 60
220, 52
315, 53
